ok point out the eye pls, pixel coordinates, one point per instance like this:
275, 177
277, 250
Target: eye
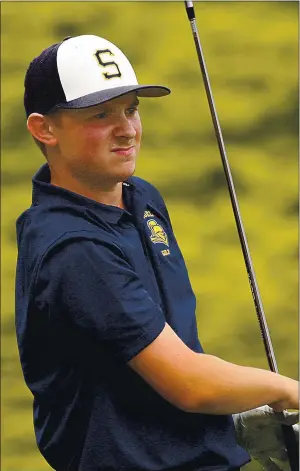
132, 110
102, 115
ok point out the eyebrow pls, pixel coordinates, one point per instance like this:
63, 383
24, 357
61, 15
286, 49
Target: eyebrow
135, 102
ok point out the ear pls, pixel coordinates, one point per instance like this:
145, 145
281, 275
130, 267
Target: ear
40, 129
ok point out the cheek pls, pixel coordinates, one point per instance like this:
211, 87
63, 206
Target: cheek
84, 145
138, 130
71, 140
95, 137
89, 143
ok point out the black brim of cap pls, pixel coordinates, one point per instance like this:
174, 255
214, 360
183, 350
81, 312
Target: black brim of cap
109, 94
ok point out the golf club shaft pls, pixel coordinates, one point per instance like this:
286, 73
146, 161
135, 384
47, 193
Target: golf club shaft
288, 433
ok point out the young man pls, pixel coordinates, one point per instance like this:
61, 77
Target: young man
105, 312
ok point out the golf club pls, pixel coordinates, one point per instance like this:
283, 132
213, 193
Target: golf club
288, 432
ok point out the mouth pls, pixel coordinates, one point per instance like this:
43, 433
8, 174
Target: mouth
124, 150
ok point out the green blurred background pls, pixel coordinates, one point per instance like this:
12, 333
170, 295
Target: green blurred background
251, 50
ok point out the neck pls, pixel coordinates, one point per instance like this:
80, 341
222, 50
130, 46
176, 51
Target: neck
110, 193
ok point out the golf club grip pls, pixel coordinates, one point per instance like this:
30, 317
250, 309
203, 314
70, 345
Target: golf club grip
288, 432
292, 447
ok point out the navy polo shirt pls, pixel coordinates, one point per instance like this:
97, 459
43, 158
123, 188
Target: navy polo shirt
95, 285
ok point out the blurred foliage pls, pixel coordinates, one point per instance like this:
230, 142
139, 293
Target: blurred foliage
251, 50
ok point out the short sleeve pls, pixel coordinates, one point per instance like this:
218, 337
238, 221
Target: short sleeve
93, 286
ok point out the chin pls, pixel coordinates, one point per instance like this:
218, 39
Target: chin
128, 171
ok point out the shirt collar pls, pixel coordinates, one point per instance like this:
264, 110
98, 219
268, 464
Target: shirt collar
46, 193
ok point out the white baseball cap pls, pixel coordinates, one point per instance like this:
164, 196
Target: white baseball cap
80, 72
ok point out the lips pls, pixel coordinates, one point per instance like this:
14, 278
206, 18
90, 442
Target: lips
123, 150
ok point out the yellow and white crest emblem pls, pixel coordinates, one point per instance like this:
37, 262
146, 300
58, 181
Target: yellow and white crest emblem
158, 235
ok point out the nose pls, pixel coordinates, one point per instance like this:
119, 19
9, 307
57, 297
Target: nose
124, 127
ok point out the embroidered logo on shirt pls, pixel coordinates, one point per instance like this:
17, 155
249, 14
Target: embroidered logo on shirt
158, 235
148, 214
